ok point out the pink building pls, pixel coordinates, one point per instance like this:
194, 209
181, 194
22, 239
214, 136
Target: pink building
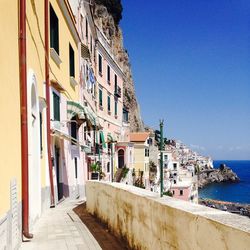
101, 96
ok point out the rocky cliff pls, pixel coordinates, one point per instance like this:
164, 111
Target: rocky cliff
211, 175
107, 15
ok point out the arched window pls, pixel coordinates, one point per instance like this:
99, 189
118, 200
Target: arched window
120, 158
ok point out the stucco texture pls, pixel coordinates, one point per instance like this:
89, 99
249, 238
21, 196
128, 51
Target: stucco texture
150, 222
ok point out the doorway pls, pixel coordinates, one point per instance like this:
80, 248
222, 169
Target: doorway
58, 174
120, 158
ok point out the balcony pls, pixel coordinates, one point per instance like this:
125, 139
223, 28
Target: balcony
118, 92
147, 221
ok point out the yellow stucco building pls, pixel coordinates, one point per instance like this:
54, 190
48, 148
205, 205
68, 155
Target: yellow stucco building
63, 65
141, 154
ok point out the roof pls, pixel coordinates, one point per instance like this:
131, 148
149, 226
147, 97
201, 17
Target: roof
139, 137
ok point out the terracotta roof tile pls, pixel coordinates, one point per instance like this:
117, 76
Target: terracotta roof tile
139, 137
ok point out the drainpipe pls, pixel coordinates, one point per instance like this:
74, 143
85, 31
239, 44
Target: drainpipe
24, 120
46, 37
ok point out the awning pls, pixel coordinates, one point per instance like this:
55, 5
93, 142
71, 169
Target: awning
92, 117
110, 138
102, 139
59, 133
75, 108
83, 112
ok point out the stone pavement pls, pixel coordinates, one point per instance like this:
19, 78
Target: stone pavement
60, 228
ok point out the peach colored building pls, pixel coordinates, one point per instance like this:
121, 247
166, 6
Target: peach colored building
101, 96
141, 155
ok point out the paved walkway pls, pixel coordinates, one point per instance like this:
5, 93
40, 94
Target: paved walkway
60, 228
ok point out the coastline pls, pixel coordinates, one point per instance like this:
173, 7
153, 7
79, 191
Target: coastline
231, 207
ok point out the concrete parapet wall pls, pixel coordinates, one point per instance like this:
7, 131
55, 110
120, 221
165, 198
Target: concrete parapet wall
150, 222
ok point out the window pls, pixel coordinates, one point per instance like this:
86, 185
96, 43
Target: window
125, 115
71, 62
100, 97
73, 125
181, 192
100, 64
149, 141
116, 108
109, 107
173, 192
175, 166
165, 157
108, 167
174, 181
108, 74
54, 31
115, 83
87, 29
75, 167
146, 152
56, 107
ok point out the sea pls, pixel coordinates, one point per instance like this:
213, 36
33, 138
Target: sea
233, 192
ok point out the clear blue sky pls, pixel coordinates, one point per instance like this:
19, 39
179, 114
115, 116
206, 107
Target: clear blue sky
191, 66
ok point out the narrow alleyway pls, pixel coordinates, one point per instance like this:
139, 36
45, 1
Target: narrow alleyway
60, 228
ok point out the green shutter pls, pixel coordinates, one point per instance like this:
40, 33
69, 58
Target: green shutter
102, 140
54, 31
56, 107
108, 103
100, 97
116, 104
71, 61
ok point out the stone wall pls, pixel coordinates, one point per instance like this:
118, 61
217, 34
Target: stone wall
150, 222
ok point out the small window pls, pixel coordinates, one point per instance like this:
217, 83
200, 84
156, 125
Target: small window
173, 192
175, 166
100, 64
109, 106
108, 74
116, 84
75, 167
56, 107
100, 97
125, 115
165, 157
54, 31
87, 29
116, 108
181, 192
71, 62
146, 152
73, 130
174, 181
108, 167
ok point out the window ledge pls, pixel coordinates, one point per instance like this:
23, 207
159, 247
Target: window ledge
100, 73
109, 112
100, 107
73, 81
55, 57
116, 116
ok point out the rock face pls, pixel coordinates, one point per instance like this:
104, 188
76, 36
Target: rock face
107, 25
223, 174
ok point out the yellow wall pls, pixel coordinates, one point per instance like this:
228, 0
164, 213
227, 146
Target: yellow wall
10, 150
36, 57
10, 132
61, 73
139, 156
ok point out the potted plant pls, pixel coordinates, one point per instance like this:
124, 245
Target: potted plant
95, 168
